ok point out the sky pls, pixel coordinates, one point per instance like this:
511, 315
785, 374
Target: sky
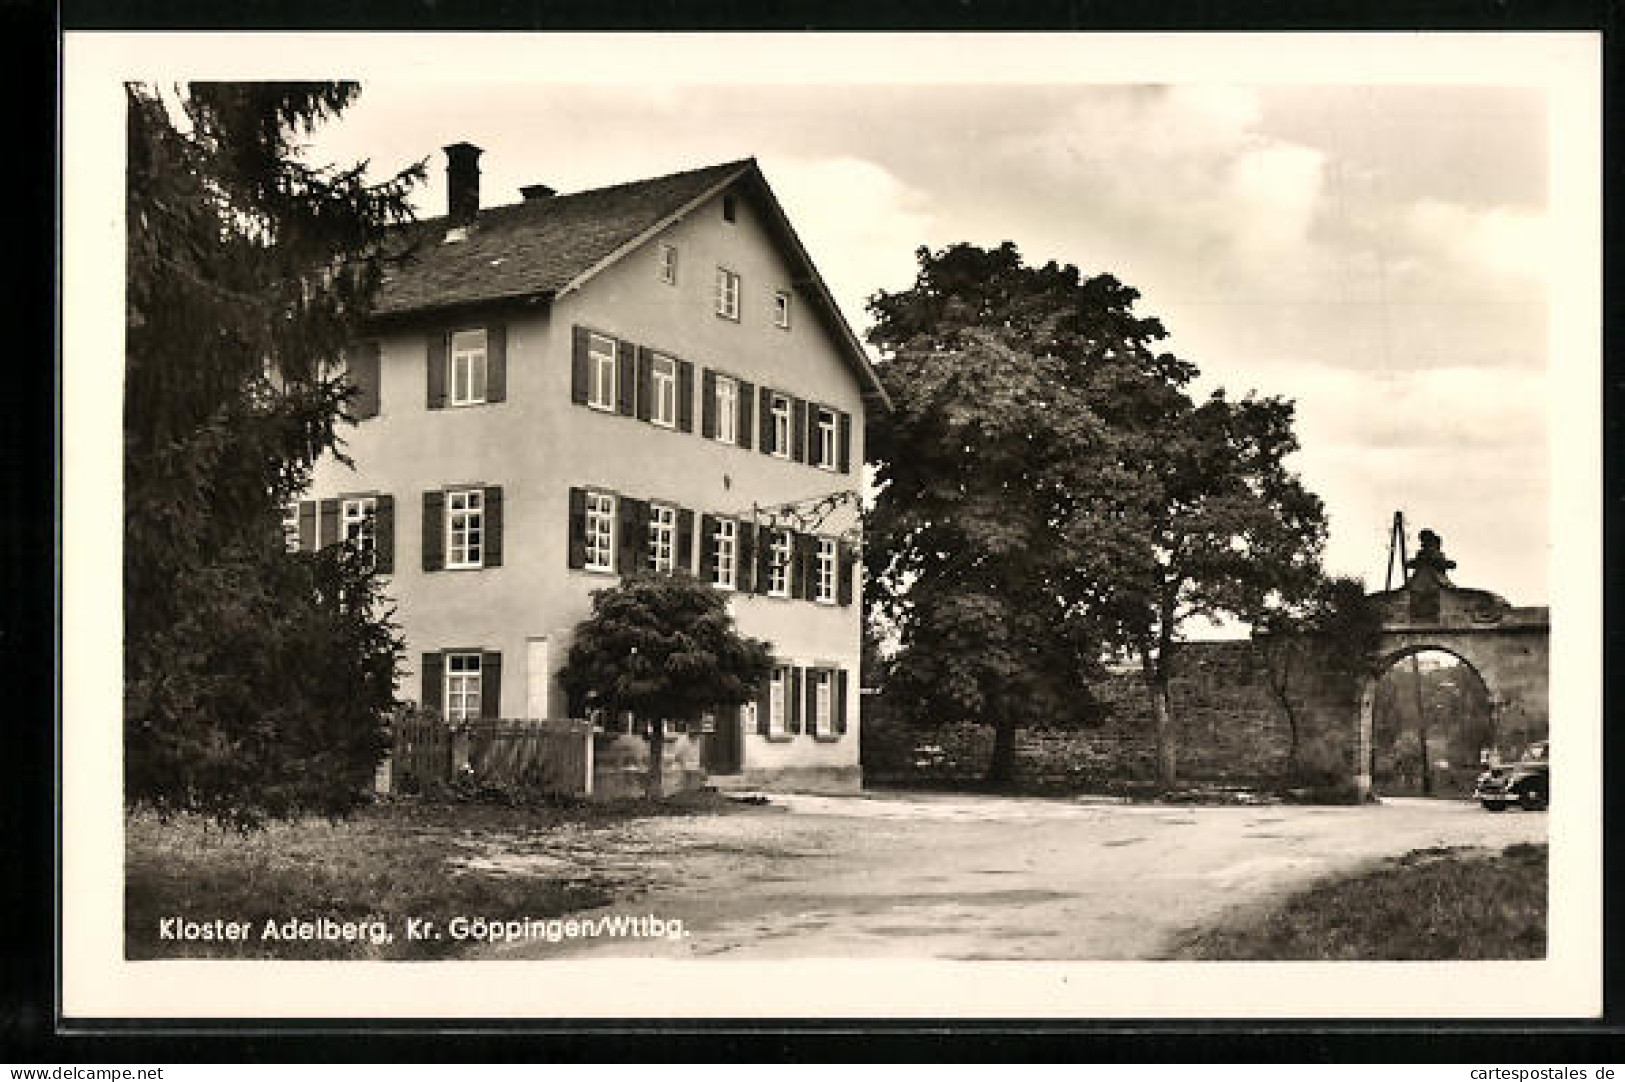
1369, 251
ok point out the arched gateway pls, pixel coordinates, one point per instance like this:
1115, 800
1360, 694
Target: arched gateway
1507, 646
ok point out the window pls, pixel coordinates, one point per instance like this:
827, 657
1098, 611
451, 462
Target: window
600, 531
601, 369
781, 425
777, 701
465, 528
824, 453
727, 293
824, 586
359, 515
662, 537
729, 208
778, 570
727, 532
663, 376
462, 687
467, 368
290, 527
781, 309
823, 700
727, 409
668, 264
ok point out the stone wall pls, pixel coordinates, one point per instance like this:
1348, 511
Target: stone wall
1229, 731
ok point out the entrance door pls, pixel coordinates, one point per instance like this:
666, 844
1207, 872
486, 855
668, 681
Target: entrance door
722, 752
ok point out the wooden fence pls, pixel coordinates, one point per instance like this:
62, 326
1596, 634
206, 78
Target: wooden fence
554, 756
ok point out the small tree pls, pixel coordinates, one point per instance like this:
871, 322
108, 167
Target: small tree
664, 648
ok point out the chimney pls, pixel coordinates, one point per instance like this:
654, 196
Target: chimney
535, 193
462, 183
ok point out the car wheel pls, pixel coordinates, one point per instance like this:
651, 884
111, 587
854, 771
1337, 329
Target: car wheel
1532, 799
1493, 805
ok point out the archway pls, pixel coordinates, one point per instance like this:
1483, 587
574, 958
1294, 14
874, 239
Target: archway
1432, 718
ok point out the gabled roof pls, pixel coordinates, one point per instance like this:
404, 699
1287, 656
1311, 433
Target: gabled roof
543, 248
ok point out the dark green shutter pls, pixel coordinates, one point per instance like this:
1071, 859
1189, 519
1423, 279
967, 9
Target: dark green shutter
708, 404
646, 381
626, 375
792, 699
844, 560
798, 430
633, 540
744, 555
330, 523
764, 558
685, 396
434, 531
434, 680
843, 442
708, 549
764, 706
307, 525
493, 526
747, 415
365, 374
437, 365
839, 704
383, 535
580, 376
685, 540
577, 543
490, 684
798, 566
764, 415
496, 363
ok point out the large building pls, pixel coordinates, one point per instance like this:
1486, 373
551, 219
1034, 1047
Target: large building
561, 390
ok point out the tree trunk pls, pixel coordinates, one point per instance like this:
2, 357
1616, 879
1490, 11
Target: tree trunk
1002, 768
657, 749
1162, 707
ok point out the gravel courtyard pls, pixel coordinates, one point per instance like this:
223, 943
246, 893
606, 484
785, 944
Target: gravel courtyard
967, 877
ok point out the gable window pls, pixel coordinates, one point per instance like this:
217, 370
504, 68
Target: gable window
824, 452
662, 537
668, 264
601, 372
727, 293
777, 701
359, 516
468, 368
663, 387
727, 409
462, 687
824, 583
729, 208
465, 527
781, 309
600, 531
781, 425
726, 539
778, 572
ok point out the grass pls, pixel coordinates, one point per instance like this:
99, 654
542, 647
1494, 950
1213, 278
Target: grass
1430, 904
388, 863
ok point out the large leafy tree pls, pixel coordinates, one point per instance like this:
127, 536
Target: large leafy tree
255, 678
665, 648
1009, 477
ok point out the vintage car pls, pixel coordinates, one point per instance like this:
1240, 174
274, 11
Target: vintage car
1526, 782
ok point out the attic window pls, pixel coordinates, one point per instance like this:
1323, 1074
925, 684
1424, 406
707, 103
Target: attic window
728, 208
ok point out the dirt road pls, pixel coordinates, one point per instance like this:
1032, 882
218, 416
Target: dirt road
983, 877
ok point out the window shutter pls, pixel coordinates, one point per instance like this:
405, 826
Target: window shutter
633, 539
812, 702
577, 544
625, 379
307, 525
792, 699
843, 441
437, 365
764, 558
646, 379
434, 680
685, 396
746, 414
840, 702
330, 522
579, 375
493, 526
708, 405
745, 556
364, 373
685, 540
798, 430
764, 414
844, 560
491, 684
815, 445
798, 566
383, 535
708, 549
434, 531
764, 706
496, 362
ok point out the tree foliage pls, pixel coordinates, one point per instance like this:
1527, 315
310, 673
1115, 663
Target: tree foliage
665, 648
254, 678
